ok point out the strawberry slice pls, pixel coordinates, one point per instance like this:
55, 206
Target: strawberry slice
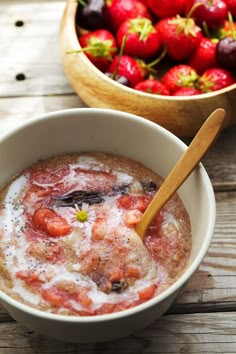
48, 221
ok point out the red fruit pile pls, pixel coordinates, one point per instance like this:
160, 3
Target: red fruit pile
194, 39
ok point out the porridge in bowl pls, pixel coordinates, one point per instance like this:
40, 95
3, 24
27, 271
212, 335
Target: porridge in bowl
68, 243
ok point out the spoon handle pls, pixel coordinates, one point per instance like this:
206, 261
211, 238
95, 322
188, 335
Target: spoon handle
191, 157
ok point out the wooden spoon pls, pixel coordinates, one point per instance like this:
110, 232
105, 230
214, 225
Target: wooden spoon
191, 157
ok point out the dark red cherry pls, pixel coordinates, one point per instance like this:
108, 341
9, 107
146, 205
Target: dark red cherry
212, 12
90, 15
226, 54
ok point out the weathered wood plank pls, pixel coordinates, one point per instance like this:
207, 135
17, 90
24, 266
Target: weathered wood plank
214, 283
14, 111
198, 333
220, 160
21, 45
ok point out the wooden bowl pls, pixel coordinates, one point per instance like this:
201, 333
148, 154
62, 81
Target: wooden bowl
183, 116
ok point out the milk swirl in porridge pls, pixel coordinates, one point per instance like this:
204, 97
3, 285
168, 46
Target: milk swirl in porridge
67, 239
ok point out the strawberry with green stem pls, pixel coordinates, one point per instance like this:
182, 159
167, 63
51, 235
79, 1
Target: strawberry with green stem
135, 70
99, 46
181, 36
214, 79
142, 39
180, 76
114, 75
129, 67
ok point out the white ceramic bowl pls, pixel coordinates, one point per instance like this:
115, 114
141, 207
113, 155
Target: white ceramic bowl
89, 129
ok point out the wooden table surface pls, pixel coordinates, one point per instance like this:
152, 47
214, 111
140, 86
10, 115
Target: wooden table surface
203, 319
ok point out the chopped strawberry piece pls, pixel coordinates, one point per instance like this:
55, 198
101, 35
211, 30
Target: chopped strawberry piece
116, 275
132, 272
84, 299
132, 217
44, 250
29, 277
50, 222
129, 202
147, 293
53, 296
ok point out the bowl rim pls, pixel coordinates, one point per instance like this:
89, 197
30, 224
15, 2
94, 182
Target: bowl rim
99, 73
187, 273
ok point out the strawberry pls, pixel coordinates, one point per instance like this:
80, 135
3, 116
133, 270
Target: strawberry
215, 79
134, 70
167, 8
142, 39
118, 11
180, 35
204, 55
187, 91
152, 86
99, 46
180, 76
